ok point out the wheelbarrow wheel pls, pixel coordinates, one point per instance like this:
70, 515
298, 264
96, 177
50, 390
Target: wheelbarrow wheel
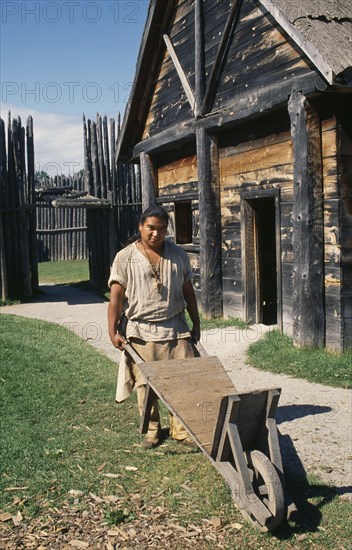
268, 488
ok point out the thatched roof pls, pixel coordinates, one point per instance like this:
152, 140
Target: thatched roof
325, 24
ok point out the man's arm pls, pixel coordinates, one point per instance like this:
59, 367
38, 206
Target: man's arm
192, 308
117, 294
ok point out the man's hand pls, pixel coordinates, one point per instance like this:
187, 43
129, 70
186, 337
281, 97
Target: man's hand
195, 334
189, 296
117, 293
117, 340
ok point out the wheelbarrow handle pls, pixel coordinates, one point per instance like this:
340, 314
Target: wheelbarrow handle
201, 349
138, 359
132, 353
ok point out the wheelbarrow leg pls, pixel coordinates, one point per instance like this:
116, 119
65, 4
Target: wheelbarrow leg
147, 407
252, 477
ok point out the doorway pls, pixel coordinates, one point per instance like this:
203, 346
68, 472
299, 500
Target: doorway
260, 223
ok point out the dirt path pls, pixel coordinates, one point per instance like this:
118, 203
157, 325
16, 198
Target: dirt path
314, 420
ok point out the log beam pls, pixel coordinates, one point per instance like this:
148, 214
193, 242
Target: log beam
220, 57
147, 181
182, 76
307, 222
210, 224
199, 56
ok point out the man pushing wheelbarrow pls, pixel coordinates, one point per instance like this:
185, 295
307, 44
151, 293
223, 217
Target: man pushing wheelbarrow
151, 284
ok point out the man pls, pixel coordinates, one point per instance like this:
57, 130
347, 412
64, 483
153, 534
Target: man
150, 282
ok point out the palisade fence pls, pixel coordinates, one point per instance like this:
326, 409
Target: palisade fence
18, 247
62, 232
94, 219
108, 229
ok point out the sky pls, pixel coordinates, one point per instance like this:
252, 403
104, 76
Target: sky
61, 59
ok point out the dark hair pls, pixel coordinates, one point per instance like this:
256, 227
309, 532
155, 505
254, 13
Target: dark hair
156, 212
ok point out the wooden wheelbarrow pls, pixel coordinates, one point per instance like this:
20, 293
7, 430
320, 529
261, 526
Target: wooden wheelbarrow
236, 431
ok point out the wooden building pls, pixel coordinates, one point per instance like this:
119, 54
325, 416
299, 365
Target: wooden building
240, 117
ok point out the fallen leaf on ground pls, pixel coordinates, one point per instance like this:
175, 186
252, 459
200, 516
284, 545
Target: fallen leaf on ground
216, 522
78, 543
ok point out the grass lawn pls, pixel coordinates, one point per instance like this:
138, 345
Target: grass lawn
276, 353
61, 432
67, 272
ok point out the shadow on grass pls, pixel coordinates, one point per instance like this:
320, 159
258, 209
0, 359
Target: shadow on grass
72, 293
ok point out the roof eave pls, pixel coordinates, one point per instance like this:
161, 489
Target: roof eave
149, 39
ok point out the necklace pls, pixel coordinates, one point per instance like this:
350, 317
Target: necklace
155, 270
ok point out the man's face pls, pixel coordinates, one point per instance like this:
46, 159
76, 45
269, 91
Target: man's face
153, 231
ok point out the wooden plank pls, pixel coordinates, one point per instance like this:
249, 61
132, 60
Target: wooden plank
192, 390
307, 221
276, 157
181, 171
184, 81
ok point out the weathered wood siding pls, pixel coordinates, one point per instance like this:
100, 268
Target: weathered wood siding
169, 103
177, 182
177, 177
345, 186
266, 163
259, 163
259, 63
337, 153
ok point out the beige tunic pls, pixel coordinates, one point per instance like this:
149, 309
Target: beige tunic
153, 316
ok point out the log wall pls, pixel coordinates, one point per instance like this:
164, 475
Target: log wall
178, 182
337, 151
345, 186
256, 164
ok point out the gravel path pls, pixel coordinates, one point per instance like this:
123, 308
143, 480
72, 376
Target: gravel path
314, 420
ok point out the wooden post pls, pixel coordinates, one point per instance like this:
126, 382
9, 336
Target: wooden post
99, 126
148, 181
32, 213
106, 157
307, 222
88, 173
95, 161
209, 224
199, 56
